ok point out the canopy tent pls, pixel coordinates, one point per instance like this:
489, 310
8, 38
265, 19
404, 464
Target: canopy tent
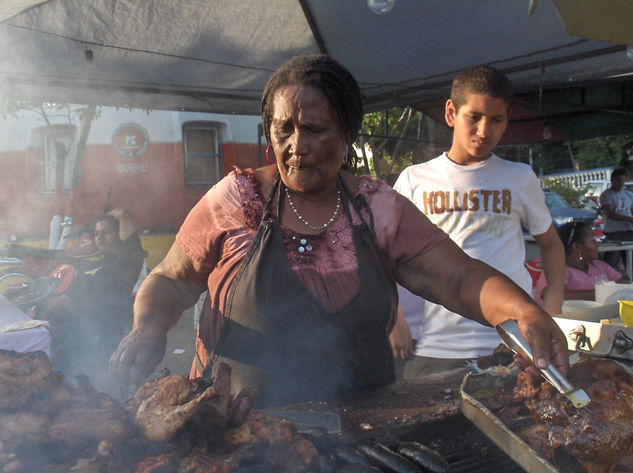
562, 113
216, 55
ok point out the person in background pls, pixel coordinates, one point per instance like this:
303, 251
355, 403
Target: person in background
617, 205
583, 269
481, 201
94, 314
301, 260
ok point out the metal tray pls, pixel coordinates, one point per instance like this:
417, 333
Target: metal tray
494, 428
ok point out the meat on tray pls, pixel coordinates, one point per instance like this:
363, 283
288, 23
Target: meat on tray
595, 439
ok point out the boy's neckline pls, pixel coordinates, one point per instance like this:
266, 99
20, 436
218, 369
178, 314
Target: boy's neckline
468, 162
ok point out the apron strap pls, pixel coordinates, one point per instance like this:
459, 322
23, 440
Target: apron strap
359, 203
269, 201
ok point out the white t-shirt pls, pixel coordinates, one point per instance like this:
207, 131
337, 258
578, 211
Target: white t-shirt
481, 207
622, 202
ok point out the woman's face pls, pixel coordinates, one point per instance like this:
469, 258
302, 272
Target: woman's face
307, 140
588, 246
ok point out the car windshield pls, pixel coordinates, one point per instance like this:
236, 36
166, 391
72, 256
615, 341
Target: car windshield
555, 201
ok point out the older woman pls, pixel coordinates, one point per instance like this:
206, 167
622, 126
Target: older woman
583, 268
301, 259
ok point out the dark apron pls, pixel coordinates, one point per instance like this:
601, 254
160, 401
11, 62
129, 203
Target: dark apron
277, 337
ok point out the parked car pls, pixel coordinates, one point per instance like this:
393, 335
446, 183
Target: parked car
563, 213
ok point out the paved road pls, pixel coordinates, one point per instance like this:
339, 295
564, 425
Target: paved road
180, 346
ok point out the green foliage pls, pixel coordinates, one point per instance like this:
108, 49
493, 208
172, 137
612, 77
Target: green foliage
574, 196
595, 153
602, 152
396, 138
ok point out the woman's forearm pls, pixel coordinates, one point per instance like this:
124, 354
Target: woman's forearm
159, 303
464, 285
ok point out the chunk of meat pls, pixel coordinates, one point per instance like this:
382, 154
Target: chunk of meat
77, 426
21, 375
17, 428
296, 456
162, 407
175, 462
168, 408
261, 427
598, 435
270, 429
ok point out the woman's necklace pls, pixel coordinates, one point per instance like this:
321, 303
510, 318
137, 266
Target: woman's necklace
308, 224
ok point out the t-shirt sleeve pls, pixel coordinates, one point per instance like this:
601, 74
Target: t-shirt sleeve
211, 219
606, 198
403, 185
537, 215
402, 230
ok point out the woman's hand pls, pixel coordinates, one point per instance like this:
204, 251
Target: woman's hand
548, 343
137, 355
173, 286
400, 338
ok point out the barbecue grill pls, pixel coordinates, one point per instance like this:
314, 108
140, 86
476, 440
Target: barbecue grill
464, 446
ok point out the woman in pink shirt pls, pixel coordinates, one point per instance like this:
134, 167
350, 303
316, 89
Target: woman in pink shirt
583, 269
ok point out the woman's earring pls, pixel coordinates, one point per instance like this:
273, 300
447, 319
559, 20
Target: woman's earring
346, 157
267, 155
580, 258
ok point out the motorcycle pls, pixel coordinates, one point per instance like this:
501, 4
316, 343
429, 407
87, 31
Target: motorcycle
30, 277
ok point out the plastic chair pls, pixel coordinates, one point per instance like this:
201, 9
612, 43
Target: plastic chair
535, 268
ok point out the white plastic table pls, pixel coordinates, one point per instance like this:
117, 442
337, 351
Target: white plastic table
627, 247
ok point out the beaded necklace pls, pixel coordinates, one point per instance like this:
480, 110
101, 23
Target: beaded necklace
308, 224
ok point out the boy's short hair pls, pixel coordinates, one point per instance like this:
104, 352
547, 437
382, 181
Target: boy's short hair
482, 80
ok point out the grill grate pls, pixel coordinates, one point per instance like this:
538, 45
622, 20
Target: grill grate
464, 446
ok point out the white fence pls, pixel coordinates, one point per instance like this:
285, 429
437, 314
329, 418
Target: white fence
579, 179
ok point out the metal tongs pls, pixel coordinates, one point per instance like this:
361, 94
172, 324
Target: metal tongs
511, 336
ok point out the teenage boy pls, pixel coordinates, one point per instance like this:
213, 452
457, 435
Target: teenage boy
481, 201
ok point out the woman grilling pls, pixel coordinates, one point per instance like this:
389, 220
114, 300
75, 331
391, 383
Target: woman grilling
301, 259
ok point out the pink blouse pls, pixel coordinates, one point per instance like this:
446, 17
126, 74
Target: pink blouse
578, 280
220, 228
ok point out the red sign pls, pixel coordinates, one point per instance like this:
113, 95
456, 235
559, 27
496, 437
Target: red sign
130, 140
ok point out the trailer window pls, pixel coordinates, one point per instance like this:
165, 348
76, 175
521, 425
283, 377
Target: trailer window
203, 160
59, 153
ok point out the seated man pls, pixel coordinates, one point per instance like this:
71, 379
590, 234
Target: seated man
96, 311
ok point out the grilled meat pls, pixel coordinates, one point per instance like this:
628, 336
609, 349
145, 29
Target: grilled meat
167, 407
162, 407
593, 439
21, 375
261, 428
185, 426
294, 457
18, 428
78, 426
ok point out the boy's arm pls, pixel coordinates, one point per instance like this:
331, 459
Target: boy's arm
553, 261
609, 212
